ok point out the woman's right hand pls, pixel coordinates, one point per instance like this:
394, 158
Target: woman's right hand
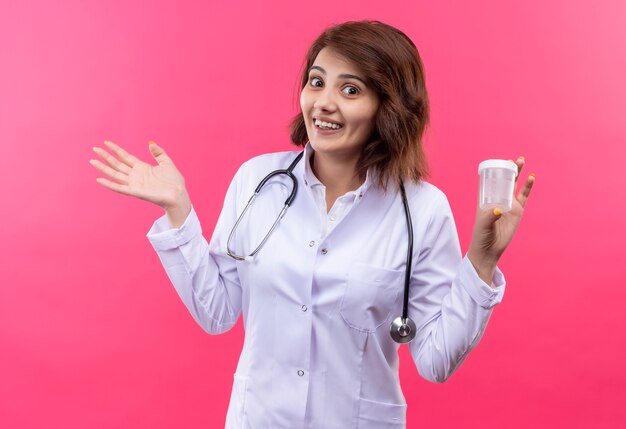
160, 184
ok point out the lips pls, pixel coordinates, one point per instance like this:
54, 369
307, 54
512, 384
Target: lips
326, 124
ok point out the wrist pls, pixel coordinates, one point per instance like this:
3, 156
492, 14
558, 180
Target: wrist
485, 266
178, 211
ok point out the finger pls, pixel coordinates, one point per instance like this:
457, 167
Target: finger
523, 194
158, 153
126, 157
487, 217
109, 172
122, 189
111, 160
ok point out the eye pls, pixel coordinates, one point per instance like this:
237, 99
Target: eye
316, 81
350, 90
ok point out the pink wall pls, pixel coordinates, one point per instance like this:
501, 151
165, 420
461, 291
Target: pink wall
93, 335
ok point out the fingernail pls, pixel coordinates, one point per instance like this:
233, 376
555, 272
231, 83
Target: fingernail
149, 143
532, 174
497, 211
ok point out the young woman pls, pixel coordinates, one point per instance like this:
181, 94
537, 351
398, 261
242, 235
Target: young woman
321, 296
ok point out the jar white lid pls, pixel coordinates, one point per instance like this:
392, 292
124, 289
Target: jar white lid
498, 163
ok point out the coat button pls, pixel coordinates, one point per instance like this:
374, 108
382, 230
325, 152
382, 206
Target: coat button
324, 251
311, 243
300, 372
304, 308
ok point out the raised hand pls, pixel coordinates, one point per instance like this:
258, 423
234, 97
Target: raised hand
494, 230
160, 184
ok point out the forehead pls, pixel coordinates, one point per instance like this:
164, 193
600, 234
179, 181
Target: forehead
335, 63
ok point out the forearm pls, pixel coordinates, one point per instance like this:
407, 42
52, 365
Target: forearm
456, 325
206, 281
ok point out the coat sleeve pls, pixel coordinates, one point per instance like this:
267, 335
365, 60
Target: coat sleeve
453, 303
202, 273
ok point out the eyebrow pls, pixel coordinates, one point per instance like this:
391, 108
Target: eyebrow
343, 75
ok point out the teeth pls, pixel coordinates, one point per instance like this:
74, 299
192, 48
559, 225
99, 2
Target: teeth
327, 125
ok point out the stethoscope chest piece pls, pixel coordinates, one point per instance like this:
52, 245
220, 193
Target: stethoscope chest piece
402, 330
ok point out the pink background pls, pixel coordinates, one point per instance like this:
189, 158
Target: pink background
92, 334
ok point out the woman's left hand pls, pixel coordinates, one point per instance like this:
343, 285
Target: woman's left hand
493, 230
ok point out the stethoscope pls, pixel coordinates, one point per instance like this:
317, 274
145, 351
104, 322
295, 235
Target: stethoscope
402, 329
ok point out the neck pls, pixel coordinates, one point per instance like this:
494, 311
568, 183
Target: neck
338, 176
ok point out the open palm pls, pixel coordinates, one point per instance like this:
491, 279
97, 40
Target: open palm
161, 184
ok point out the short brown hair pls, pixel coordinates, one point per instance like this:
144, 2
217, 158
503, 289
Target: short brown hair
393, 68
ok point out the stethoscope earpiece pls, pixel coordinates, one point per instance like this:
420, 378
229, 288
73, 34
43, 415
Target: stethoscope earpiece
402, 330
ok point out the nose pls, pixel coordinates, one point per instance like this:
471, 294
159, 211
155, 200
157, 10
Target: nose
325, 100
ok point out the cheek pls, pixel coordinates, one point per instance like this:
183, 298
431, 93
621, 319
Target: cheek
362, 119
305, 102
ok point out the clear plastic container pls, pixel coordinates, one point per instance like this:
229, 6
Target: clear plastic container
497, 184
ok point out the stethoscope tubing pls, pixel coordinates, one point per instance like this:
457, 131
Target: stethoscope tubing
288, 172
402, 329
409, 256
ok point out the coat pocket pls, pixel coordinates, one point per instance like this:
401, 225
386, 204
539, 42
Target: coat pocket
380, 415
369, 296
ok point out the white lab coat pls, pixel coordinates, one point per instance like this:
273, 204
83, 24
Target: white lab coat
317, 301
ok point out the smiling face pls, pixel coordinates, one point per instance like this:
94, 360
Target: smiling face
338, 107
